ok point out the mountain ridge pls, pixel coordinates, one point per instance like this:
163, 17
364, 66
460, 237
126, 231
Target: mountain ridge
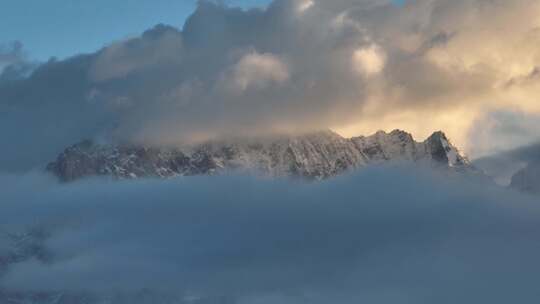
317, 155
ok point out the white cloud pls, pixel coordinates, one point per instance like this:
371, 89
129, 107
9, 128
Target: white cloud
258, 71
304, 5
369, 61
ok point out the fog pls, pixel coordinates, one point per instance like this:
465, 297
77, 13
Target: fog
503, 165
382, 235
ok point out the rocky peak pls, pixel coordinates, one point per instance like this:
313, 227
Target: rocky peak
316, 155
442, 151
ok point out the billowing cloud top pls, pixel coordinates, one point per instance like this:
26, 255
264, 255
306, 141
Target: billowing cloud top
352, 65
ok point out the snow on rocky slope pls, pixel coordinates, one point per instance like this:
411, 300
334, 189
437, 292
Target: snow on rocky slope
318, 155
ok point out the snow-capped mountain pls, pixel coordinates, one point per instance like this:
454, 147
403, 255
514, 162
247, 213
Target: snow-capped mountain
317, 155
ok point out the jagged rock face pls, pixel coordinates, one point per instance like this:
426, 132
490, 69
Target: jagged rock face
527, 179
315, 156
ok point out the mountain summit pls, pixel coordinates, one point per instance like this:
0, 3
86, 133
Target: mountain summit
317, 155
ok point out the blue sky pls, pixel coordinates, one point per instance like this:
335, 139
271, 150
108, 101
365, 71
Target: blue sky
63, 28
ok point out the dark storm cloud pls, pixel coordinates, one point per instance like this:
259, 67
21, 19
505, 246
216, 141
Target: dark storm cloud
379, 236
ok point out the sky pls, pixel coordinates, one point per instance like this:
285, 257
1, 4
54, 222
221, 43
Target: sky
85, 26
62, 28
468, 68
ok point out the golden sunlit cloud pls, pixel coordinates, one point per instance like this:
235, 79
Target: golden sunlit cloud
354, 66
369, 60
304, 5
450, 65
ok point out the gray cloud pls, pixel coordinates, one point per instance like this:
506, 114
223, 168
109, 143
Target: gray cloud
354, 66
378, 236
503, 165
503, 131
11, 53
507, 142
14, 63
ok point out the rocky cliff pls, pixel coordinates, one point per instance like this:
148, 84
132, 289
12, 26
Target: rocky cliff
316, 155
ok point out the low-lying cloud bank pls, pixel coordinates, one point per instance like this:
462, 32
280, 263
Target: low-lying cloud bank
352, 65
378, 236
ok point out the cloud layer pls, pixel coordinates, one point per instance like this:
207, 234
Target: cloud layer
352, 65
379, 236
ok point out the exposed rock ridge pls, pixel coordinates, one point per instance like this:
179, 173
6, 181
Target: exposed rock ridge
317, 155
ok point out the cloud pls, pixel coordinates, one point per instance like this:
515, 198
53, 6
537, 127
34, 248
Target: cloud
294, 66
13, 62
161, 46
369, 60
258, 71
503, 165
376, 236
506, 142
304, 5
11, 53
503, 131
